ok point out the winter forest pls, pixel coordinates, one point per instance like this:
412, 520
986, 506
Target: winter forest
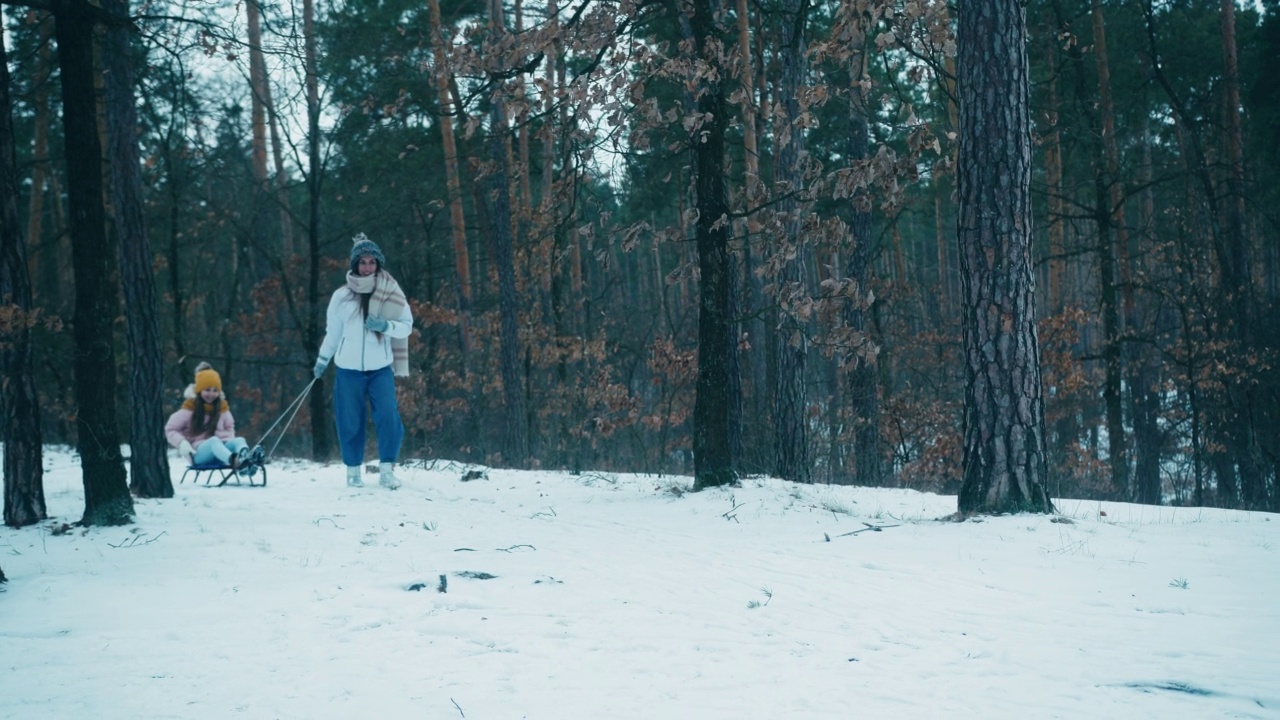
1001, 251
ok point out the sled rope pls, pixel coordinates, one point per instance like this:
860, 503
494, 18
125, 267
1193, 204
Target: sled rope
291, 411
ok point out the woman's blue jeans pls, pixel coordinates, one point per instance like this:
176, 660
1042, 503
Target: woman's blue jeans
354, 393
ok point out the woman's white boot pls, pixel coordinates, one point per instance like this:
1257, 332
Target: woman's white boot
387, 476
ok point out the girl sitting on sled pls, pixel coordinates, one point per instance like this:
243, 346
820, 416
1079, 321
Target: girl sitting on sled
203, 429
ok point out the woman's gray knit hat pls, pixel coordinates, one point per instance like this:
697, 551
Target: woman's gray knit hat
361, 246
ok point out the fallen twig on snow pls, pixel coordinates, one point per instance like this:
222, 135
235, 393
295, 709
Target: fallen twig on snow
730, 514
869, 528
137, 540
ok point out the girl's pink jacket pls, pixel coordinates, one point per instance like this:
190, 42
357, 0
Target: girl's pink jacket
178, 428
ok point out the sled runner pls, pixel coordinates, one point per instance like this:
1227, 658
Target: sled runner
225, 473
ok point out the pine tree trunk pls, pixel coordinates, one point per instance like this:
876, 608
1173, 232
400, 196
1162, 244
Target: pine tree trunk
516, 431
106, 491
321, 424
461, 254
148, 450
712, 451
1145, 392
23, 446
1053, 182
1253, 482
863, 393
1005, 468
259, 92
285, 207
1115, 258
41, 167
751, 364
790, 404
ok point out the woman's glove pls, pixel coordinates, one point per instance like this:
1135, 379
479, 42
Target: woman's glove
321, 364
185, 451
376, 324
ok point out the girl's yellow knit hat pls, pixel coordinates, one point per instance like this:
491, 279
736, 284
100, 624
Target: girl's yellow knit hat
207, 377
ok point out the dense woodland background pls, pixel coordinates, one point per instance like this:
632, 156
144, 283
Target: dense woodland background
531, 170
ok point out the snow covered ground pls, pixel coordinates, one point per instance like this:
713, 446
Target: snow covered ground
609, 596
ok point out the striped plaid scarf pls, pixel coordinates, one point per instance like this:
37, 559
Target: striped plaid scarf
387, 302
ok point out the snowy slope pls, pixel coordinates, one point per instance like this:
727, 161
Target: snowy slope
621, 596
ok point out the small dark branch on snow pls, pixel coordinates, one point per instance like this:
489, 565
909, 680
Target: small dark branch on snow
513, 548
869, 528
316, 522
138, 541
464, 549
443, 587
551, 513
455, 704
730, 514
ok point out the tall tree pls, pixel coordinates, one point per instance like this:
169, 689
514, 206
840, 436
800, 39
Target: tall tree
1113, 252
790, 405
148, 450
321, 428
106, 490
516, 450
712, 450
750, 363
862, 386
260, 99
41, 168
1253, 482
1004, 465
457, 221
23, 469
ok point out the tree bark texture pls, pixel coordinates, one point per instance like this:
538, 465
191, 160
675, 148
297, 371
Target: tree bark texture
263, 200
41, 167
106, 491
23, 446
1253, 481
790, 396
457, 221
1145, 394
321, 426
864, 399
751, 366
516, 452
517, 435
860, 373
712, 452
1004, 464
148, 449
1113, 242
